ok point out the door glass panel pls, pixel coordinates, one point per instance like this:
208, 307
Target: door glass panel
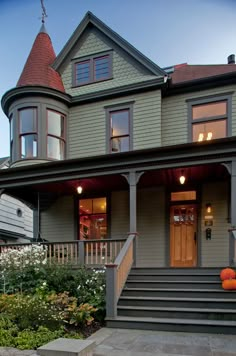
179, 196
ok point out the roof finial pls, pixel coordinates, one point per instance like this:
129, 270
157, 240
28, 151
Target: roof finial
44, 14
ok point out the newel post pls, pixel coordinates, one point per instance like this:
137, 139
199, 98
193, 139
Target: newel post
111, 290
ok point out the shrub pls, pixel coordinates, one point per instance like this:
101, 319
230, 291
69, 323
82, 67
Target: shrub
32, 339
92, 290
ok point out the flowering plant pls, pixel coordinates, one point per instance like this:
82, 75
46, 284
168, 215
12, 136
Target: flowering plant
33, 255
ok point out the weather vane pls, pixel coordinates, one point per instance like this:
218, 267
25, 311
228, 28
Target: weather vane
44, 14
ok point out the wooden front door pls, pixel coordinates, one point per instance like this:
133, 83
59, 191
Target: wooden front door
183, 235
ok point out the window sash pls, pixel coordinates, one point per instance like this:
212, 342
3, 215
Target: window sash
92, 70
209, 120
120, 130
28, 145
55, 148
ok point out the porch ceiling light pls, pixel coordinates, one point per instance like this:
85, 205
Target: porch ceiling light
208, 208
79, 189
182, 178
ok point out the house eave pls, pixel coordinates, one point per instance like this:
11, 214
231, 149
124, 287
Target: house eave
29, 91
200, 84
119, 91
216, 151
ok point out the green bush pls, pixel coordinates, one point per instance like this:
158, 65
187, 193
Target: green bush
32, 339
30, 311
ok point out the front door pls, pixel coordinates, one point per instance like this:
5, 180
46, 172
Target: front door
183, 235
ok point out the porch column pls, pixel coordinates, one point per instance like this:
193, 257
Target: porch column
133, 179
232, 243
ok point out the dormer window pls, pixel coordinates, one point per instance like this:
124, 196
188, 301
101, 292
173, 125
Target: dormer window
28, 134
92, 69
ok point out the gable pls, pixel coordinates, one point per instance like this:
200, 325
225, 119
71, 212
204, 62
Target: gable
92, 36
125, 69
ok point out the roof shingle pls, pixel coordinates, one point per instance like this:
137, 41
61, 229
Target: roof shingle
37, 69
184, 72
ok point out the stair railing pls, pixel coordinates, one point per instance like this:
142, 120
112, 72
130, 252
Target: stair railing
117, 273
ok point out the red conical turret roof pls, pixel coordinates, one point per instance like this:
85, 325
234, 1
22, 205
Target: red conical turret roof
37, 69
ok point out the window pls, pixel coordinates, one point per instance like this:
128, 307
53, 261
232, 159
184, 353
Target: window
56, 135
119, 127
92, 69
93, 218
119, 131
28, 132
209, 119
11, 135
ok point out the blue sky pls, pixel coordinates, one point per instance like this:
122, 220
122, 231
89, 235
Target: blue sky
167, 31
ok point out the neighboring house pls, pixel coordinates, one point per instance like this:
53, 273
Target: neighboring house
102, 116
16, 218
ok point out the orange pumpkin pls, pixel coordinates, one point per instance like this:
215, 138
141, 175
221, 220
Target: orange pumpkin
227, 273
229, 284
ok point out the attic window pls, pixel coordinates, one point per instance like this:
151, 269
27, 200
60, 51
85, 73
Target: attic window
92, 69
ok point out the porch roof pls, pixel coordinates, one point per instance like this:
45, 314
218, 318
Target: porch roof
184, 155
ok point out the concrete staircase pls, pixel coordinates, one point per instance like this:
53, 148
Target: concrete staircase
176, 299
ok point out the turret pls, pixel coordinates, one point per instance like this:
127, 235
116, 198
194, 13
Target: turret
37, 108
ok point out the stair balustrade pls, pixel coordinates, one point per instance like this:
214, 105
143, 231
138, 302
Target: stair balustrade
117, 274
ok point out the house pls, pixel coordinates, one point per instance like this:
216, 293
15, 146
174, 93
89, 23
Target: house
104, 143
16, 218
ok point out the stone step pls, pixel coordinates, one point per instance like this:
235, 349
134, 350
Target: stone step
179, 313
173, 277
168, 324
176, 271
179, 293
215, 303
196, 284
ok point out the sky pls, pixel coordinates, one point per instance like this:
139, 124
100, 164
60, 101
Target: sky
167, 31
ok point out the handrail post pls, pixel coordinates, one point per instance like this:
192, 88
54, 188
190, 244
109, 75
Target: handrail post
81, 252
135, 250
111, 290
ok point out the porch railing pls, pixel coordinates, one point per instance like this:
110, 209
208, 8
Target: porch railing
117, 273
83, 252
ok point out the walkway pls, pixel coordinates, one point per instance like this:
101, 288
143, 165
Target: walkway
121, 342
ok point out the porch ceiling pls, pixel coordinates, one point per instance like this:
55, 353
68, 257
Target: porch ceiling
105, 184
202, 161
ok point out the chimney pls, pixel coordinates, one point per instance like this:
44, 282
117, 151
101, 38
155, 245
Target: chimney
231, 59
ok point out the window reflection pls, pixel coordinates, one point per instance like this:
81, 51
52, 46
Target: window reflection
120, 137
56, 135
28, 132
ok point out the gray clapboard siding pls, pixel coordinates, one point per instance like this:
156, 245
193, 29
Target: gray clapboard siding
125, 69
151, 227
87, 124
215, 252
151, 223
57, 223
174, 123
119, 214
10, 221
